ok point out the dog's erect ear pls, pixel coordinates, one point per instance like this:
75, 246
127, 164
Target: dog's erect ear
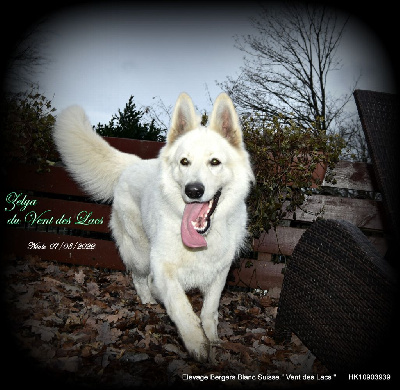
184, 118
225, 120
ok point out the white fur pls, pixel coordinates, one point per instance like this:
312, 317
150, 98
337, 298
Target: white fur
148, 202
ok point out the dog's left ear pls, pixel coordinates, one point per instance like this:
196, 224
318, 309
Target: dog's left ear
225, 120
184, 118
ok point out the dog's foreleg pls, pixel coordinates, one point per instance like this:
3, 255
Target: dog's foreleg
209, 312
181, 313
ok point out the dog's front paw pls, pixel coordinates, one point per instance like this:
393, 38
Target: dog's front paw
210, 329
216, 341
201, 354
198, 347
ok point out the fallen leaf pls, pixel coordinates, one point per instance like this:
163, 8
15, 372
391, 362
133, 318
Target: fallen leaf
80, 277
133, 357
175, 349
90, 322
106, 334
93, 288
254, 310
179, 367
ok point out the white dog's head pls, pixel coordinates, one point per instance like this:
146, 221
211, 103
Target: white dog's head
205, 163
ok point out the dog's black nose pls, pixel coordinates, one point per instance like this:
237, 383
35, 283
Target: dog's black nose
194, 190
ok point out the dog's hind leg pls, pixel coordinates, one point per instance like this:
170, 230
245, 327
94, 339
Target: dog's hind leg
143, 289
135, 253
140, 272
209, 311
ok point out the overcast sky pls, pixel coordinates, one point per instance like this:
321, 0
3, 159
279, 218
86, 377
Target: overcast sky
99, 55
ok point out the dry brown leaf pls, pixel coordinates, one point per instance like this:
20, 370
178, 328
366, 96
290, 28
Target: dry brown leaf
93, 288
80, 277
85, 320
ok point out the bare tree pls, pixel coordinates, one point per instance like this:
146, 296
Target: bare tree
287, 65
159, 113
25, 60
356, 145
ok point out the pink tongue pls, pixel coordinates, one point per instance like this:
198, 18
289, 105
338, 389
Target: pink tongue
190, 237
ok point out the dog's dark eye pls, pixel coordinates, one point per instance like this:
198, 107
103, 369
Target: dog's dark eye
184, 161
215, 162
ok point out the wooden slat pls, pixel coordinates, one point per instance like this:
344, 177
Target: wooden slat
354, 175
261, 274
142, 148
364, 213
56, 181
104, 254
284, 239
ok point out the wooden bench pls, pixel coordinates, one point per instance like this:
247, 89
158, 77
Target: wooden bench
61, 203
78, 230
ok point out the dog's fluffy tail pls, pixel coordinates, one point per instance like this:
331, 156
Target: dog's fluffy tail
92, 162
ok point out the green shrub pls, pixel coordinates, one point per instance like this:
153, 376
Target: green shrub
285, 157
27, 122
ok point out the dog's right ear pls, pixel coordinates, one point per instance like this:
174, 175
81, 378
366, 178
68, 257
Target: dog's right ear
184, 118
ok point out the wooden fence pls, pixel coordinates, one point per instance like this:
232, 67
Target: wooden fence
353, 198
47, 215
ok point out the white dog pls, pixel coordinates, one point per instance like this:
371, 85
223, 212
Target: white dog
179, 219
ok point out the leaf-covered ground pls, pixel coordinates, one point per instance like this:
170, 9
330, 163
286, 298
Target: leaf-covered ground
82, 326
